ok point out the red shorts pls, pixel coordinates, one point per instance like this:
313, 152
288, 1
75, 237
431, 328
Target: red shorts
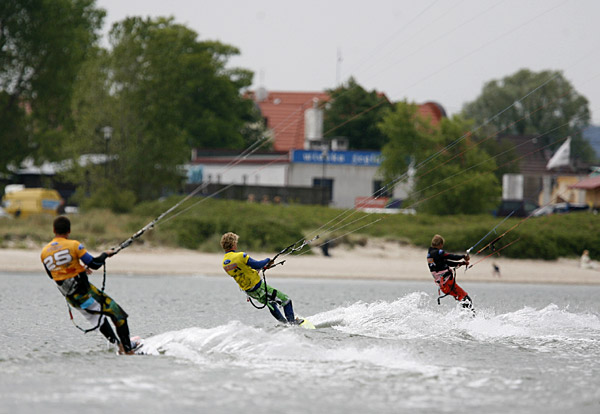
449, 286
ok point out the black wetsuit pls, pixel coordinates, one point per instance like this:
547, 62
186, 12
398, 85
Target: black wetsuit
438, 259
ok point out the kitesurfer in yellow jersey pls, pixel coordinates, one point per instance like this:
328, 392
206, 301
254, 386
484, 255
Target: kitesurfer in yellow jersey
244, 270
61, 258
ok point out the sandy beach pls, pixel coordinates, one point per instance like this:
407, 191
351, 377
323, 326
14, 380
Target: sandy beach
376, 260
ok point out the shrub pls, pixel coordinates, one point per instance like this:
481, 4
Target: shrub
108, 196
270, 228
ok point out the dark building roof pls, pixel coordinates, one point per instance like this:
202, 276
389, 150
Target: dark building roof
535, 158
232, 156
527, 146
592, 135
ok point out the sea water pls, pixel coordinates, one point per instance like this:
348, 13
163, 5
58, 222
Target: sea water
379, 346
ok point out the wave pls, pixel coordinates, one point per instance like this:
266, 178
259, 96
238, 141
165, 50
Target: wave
414, 316
379, 334
260, 347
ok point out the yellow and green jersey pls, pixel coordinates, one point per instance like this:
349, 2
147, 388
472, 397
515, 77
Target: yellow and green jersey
236, 265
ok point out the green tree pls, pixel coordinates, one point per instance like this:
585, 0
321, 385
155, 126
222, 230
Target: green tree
409, 137
162, 92
453, 174
538, 103
184, 80
354, 113
42, 46
504, 155
93, 108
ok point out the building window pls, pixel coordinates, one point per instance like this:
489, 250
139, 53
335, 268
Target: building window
379, 190
328, 184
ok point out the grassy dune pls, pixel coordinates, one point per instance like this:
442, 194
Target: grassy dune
272, 227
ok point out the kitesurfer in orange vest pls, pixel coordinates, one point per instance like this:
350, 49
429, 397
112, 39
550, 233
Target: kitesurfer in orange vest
62, 259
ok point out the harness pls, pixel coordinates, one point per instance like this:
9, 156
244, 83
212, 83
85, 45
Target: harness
440, 276
268, 297
287, 250
271, 264
100, 312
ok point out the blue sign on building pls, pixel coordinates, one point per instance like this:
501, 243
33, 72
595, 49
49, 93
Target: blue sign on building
364, 158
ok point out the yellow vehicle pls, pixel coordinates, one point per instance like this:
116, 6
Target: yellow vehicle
31, 201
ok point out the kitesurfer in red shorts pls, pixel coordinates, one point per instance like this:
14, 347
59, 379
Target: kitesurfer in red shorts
441, 265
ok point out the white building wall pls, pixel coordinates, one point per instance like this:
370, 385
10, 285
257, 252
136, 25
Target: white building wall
512, 187
349, 181
253, 174
402, 190
353, 174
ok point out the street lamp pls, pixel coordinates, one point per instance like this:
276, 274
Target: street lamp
107, 131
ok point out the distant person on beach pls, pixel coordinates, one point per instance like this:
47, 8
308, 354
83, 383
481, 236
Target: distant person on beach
61, 258
496, 270
586, 262
244, 270
441, 266
325, 248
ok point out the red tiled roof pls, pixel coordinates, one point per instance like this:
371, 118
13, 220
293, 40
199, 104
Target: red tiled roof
433, 111
284, 112
589, 183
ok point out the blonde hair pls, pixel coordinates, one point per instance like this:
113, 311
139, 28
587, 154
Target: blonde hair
228, 240
437, 241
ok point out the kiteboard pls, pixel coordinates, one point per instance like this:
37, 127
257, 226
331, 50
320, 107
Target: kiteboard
136, 347
306, 324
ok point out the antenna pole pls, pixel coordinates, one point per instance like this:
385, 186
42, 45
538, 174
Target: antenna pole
338, 67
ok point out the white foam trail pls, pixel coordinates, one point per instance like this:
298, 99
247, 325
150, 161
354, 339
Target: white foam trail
413, 316
276, 349
379, 335
545, 330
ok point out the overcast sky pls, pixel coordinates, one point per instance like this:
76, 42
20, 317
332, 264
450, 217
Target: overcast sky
440, 50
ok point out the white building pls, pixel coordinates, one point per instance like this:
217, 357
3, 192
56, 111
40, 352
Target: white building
347, 174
